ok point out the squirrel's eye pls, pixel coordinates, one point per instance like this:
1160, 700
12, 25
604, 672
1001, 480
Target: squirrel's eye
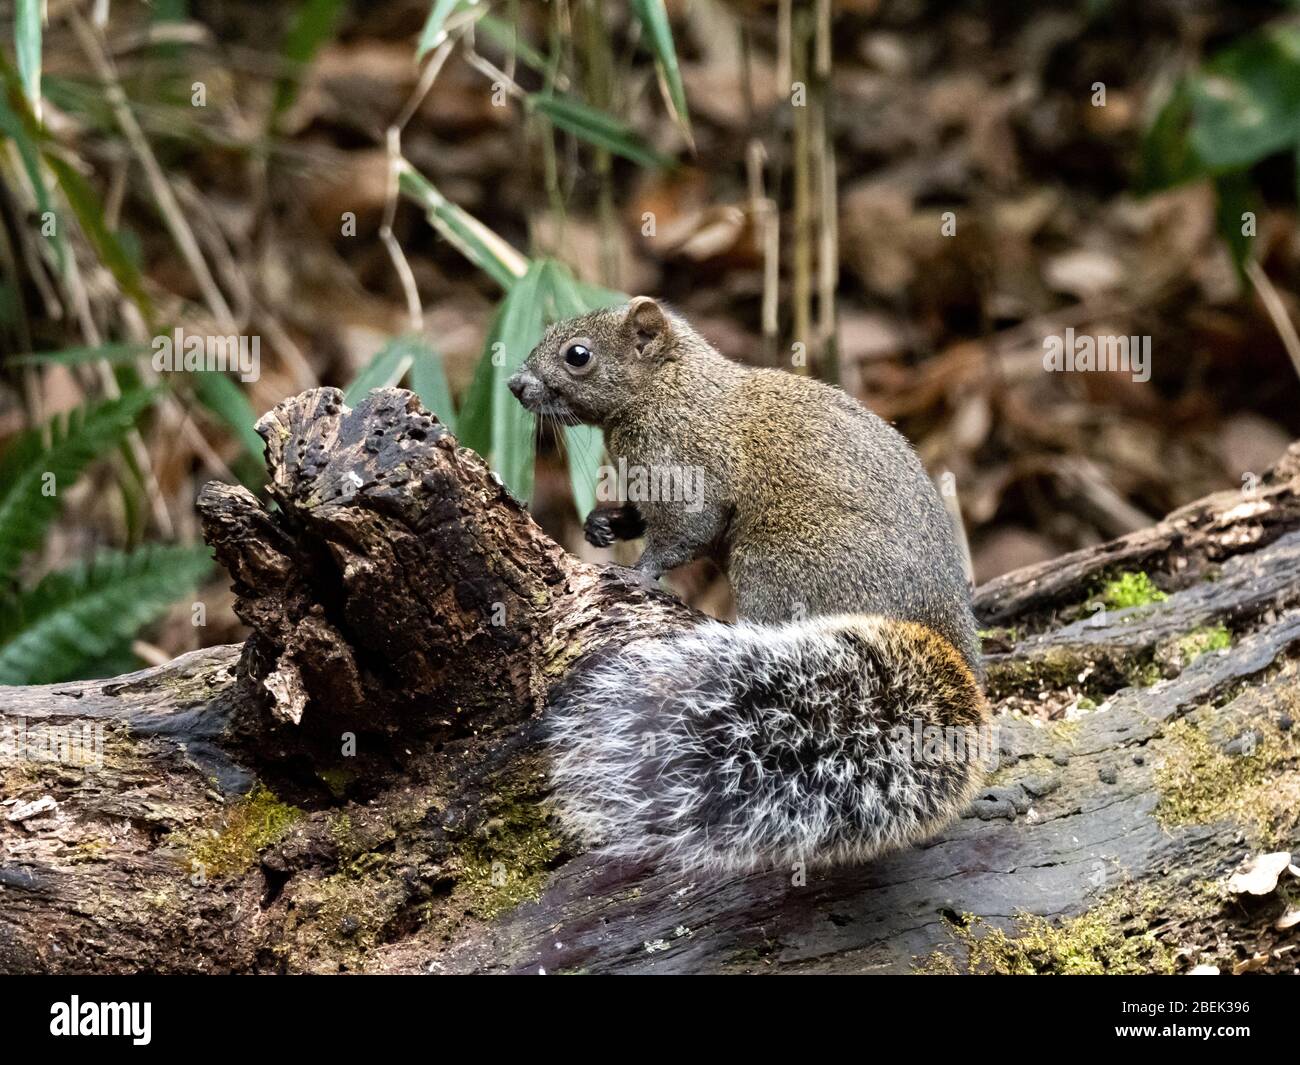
577, 355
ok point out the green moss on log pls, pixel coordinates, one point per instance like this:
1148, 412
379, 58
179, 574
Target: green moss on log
252, 824
1253, 782
508, 858
1202, 641
1117, 936
1130, 590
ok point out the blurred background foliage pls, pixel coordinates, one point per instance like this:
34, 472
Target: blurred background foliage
410, 191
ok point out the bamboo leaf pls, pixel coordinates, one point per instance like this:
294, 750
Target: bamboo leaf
522, 323
314, 23
505, 36
227, 402
491, 421
386, 368
90, 214
21, 126
27, 40
407, 356
584, 447
654, 21
464, 232
113, 354
598, 128
435, 26
429, 382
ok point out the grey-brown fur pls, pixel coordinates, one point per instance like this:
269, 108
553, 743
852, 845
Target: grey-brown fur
812, 504
732, 747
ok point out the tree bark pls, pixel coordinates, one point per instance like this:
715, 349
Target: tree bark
361, 786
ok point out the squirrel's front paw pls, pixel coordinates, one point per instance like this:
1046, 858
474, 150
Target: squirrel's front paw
604, 525
598, 529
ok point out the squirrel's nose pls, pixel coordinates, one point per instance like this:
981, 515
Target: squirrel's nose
522, 383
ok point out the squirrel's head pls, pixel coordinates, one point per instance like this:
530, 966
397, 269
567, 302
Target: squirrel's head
586, 368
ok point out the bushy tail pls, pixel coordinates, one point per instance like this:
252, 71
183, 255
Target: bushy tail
739, 746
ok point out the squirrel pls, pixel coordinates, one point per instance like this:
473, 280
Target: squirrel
784, 737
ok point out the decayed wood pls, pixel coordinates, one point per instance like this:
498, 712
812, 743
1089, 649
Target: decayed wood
1185, 548
409, 619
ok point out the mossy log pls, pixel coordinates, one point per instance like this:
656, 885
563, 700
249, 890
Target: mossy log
361, 786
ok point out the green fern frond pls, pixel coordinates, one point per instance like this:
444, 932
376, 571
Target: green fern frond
43, 463
79, 614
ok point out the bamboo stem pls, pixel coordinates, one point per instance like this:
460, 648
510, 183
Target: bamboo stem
1272, 300
803, 204
827, 200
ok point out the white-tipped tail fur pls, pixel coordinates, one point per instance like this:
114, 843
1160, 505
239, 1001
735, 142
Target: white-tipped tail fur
739, 746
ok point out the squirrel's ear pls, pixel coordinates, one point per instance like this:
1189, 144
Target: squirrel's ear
648, 321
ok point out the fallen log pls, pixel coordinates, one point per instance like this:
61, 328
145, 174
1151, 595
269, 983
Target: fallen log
361, 786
